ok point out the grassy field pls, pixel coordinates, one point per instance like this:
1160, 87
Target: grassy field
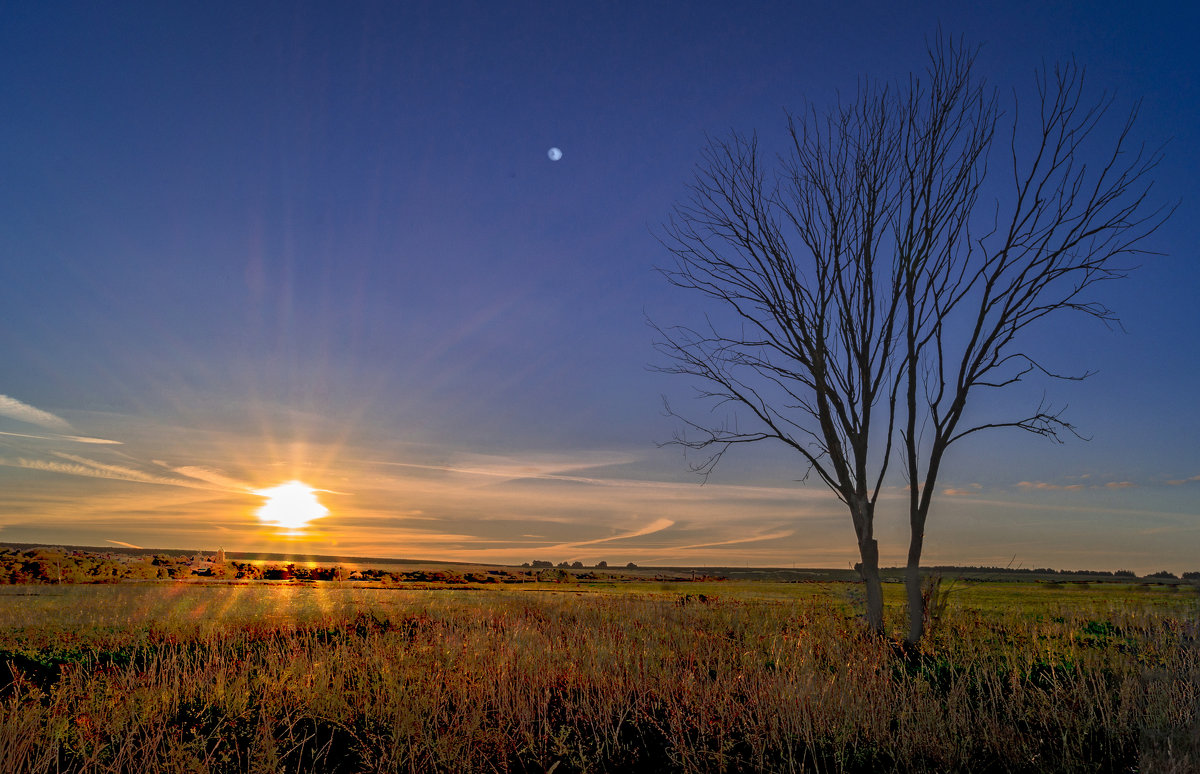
720, 676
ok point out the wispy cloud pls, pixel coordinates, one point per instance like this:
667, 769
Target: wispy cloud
752, 539
216, 478
56, 437
122, 543
23, 412
658, 525
116, 470
971, 489
1045, 486
86, 439
1088, 508
1179, 481
526, 466
76, 465
655, 491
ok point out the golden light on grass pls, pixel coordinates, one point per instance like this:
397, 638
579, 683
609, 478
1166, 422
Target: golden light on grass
290, 506
1049, 679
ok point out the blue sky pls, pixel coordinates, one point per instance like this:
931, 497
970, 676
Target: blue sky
250, 243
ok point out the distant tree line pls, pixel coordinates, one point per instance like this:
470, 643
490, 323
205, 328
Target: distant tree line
51, 565
576, 565
1164, 574
70, 565
1040, 571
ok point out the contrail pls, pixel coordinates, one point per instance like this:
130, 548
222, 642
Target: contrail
658, 525
72, 438
213, 477
23, 412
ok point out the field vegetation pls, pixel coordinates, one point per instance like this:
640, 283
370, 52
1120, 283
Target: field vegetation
600, 676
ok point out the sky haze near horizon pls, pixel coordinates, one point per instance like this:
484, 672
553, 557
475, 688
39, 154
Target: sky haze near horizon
243, 245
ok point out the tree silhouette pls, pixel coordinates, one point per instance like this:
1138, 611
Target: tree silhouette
876, 280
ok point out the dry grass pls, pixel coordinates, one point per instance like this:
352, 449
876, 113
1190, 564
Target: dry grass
277, 678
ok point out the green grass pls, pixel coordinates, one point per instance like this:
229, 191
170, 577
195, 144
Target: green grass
756, 676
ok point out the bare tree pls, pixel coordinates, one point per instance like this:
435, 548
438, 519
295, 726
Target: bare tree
810, 299
1075, 209
854, 301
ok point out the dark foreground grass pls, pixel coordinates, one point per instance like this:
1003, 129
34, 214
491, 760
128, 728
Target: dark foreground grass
754, 678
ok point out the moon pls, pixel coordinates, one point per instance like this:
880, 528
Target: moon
554, 153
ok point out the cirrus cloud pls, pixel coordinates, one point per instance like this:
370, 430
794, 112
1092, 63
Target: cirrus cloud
1181, 481
23, 412
1046, 486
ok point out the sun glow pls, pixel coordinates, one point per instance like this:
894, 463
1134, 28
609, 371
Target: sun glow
290, 506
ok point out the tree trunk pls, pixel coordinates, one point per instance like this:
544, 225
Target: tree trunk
870, 553
917, 516
912, 583
868, 549
862, 512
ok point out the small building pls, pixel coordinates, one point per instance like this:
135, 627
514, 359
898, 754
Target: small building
209, 565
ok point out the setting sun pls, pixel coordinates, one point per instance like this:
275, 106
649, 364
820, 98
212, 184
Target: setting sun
290, 506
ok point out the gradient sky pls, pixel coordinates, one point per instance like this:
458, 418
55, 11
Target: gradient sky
245, 243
